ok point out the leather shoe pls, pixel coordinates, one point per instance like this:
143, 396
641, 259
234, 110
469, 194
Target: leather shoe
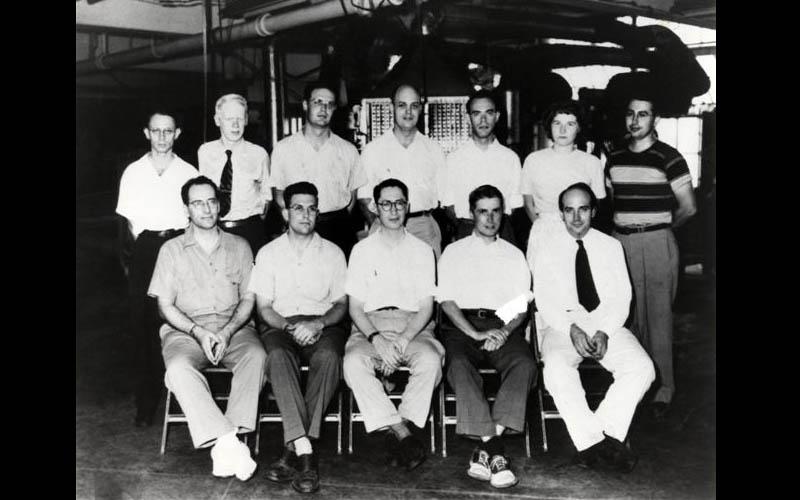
392, 448
412, 453
284, 469
307, 478
618, 456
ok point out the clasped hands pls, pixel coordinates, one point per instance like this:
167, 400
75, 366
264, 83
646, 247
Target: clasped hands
391, 347
214, 344
305, 333
493, 339
594, 347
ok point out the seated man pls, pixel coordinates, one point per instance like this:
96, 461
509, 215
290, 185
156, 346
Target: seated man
299, 285
479, 274
390, 285
583, 294
200, 281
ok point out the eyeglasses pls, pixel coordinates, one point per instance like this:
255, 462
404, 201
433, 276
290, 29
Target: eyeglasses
319, 103
387, 205
300, 209
210, 203
167, 132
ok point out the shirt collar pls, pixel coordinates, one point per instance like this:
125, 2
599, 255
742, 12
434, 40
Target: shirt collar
189, 237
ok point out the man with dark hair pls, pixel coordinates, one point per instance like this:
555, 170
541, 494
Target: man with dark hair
150, 202
652, 194
406, 154
390, 285
200, 282
319, 156
478, 276
241, 170
583, 295
481, 160
298, 281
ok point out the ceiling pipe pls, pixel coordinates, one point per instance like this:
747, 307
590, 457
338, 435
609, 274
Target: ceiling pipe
262, 26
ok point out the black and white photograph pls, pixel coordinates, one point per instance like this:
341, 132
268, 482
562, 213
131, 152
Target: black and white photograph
395, 249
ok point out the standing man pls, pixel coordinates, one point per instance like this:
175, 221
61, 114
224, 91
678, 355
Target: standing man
411, 157
652, 193
390, 285
240, 169
583, 294
319, 156
150, 202
200, 282
481, 160
478, 275
299, 285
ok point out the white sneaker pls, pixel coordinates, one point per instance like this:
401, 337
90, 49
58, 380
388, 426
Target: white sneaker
502, 477
232, 460
479, 465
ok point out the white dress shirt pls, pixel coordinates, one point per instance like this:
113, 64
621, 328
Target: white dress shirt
335, 169
307, 283
151, 201
420, 166
476, 274
250, 190
381, 275
556, 292
470, 166
546, 173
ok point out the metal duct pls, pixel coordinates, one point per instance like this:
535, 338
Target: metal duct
261, 26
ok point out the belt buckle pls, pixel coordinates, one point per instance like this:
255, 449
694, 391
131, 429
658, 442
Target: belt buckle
483, 313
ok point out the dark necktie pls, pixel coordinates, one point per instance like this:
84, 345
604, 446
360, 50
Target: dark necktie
225, 186
587, 293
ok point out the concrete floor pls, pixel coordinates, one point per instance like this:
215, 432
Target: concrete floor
115, 460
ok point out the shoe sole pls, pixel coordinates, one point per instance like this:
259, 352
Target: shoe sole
299, 490
502, 486
279, 480
474, 475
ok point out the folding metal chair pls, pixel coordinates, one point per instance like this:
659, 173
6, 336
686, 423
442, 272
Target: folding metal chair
275, 416
177, 416
446, 396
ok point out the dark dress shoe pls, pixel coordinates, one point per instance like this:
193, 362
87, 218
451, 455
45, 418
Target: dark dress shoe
618, 456
590, 457
307, 478
391, 447
412, 453
284, 469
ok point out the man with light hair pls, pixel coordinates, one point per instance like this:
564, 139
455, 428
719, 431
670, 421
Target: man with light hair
240, 169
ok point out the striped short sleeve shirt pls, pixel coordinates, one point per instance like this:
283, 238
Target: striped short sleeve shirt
644, 184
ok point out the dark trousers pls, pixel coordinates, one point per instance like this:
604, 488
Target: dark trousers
144, 324
253, 231
516, 365
303, 415
464, 227
336, 227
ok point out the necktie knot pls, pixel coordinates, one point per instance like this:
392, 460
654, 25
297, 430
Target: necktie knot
229, 153
580, 243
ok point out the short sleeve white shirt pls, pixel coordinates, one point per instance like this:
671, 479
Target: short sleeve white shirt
151, 201
381, 275
470, 166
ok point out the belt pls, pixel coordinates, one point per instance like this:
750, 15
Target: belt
419, 213
641, 229
387, 308
166, 233
227, 224
480, 313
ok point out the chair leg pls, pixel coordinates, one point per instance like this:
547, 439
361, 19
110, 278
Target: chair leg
258, 432
433, 431
542, 417
442, 420
165, 427
339, 424
527, 438
350, 423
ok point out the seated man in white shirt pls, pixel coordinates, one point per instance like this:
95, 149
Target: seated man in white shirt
390, 285
299, 285
583, 294
479, 274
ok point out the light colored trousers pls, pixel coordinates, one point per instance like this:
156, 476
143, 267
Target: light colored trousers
423, 227
653, 264
184, 358
633, 373
423, 356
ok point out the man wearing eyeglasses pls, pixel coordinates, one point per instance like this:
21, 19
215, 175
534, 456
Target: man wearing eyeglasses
481, 160
200, 282
317, 155
390, 285
406, 154
150, 202
240, 169
298, 281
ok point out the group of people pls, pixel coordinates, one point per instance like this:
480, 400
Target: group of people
360, 310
